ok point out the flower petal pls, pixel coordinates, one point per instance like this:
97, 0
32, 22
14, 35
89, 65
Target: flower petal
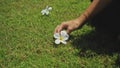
62, 33
43, 11
56, 35
57, 41
66, 37
47, 12
64, 42
47, 7
50, 8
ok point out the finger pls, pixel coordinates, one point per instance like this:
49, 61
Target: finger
56, 29
61, 27
69, 30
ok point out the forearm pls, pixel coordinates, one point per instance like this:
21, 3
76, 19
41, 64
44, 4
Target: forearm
95, 7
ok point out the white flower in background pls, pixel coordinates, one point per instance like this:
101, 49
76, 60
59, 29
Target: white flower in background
61, 38
46, 11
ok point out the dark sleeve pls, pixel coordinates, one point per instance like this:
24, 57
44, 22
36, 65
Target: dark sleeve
109, 17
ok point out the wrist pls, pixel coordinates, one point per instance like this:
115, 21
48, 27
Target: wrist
82, 19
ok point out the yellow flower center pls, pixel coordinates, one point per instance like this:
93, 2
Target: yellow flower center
61, 38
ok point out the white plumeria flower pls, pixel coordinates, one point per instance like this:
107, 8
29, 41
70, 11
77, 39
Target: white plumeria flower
46, 11
48, 8
61, 38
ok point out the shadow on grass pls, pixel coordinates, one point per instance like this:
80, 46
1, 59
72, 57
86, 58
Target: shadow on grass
97, 43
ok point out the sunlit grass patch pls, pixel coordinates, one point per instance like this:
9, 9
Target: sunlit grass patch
26, 36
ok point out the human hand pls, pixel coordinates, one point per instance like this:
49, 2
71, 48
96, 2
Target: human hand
69, 26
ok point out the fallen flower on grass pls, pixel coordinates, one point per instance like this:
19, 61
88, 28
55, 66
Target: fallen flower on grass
61, 38
46, 11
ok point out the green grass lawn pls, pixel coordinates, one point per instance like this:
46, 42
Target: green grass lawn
26, 37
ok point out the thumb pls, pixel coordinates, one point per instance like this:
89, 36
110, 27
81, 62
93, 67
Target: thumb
69, 30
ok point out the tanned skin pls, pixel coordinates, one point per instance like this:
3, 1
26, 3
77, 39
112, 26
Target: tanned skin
95, 7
